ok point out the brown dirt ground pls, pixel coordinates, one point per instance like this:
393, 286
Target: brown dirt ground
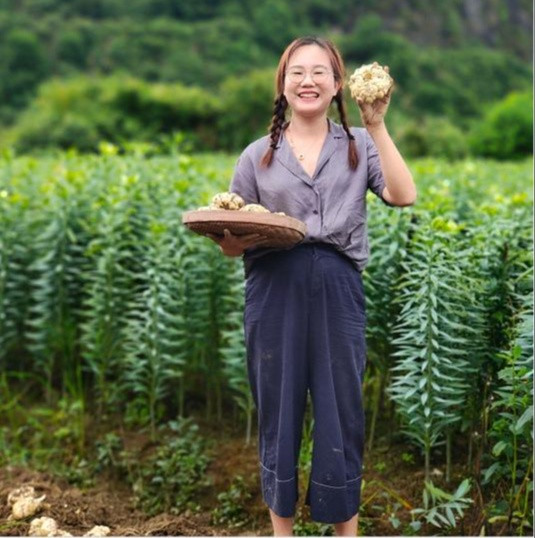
387, 479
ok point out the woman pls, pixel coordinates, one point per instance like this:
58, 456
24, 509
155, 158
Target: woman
304, 306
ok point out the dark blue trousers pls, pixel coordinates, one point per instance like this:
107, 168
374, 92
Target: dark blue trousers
304, 323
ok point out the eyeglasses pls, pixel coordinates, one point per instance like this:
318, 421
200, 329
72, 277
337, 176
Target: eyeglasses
318, 75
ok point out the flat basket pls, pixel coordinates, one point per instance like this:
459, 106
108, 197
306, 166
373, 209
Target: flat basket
281, 230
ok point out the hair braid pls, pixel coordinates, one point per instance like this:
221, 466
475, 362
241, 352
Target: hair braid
352, 149
276, 127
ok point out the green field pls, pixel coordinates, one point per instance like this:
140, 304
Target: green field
117, 322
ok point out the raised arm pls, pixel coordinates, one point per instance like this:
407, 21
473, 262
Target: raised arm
400, 189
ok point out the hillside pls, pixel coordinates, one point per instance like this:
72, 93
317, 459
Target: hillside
451, 59
503, 24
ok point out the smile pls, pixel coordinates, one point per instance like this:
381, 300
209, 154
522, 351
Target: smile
308, 95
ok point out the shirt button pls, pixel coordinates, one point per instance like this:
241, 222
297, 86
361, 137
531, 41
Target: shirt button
315, 211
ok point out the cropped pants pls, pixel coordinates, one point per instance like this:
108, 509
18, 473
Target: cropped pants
304, 322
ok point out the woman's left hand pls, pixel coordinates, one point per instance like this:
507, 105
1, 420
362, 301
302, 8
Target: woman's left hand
373, 114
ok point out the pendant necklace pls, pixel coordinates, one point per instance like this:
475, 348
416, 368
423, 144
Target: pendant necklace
300, 156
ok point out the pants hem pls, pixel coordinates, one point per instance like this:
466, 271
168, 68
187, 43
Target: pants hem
279, 494
333, 504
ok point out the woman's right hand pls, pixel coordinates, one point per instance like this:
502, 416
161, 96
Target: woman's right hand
234, 245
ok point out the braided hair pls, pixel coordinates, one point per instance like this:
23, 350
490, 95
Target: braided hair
351, 147
277, 126
280, 105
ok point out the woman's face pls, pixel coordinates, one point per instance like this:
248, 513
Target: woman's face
310, 96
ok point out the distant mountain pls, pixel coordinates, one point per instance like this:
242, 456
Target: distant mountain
203, 42
503, 24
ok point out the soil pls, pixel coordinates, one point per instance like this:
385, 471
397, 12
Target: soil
388, 480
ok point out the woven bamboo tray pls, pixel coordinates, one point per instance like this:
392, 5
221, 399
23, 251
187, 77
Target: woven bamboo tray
281, 230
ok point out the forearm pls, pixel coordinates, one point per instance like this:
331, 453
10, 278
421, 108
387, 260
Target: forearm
397, 175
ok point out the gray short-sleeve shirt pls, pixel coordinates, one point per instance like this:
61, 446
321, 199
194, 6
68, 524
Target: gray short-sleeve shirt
332, 203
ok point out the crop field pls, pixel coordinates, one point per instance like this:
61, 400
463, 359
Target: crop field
124, 395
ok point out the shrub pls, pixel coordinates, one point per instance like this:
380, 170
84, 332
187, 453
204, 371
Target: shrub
432, 136
248, 106
231, 508
79, 112
171, 478
506, 131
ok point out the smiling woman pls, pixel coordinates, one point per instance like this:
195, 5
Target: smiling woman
305, 306
305, 91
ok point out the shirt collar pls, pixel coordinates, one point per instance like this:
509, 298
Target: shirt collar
335, 132
286, 157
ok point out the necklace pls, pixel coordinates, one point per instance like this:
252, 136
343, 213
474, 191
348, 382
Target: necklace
300, 156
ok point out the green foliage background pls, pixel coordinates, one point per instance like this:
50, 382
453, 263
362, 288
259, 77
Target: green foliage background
134, 71
110, 308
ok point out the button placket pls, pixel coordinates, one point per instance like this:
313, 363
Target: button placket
317, 204
320, 207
